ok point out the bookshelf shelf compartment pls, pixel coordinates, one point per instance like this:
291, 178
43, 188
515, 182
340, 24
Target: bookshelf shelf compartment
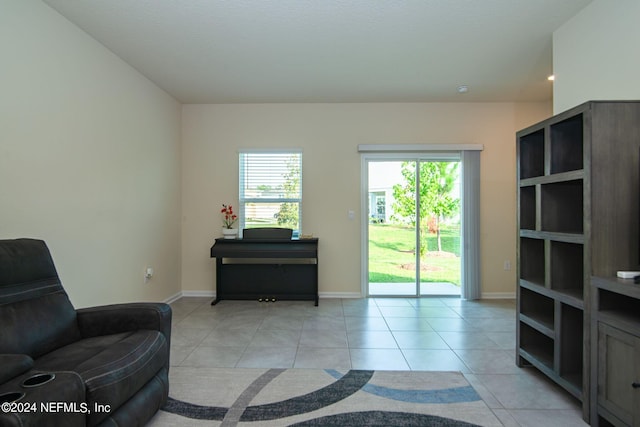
571, 348
562, 204
532, 155
536, 344
537, 307
532, 260
567, 144
567, 268
619, 308
528, 208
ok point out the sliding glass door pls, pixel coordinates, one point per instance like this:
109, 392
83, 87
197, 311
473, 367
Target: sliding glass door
414, 225
391, 238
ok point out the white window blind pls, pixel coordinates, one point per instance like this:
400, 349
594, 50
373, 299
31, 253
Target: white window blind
271, 189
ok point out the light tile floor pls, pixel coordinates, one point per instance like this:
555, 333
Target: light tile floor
436, 334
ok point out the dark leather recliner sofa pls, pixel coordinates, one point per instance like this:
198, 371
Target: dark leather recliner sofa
101, 366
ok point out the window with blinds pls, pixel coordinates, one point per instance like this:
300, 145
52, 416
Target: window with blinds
271, 189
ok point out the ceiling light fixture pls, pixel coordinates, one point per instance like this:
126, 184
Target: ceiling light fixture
463, 89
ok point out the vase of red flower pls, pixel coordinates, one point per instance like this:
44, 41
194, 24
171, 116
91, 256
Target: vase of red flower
228, 219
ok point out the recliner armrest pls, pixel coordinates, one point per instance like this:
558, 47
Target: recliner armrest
116, 318
14, 365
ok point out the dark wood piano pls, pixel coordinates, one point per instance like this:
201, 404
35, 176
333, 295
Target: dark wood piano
267, 266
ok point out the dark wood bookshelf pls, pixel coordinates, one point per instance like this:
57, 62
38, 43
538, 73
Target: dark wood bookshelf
578, 216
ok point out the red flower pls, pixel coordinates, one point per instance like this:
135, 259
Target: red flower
228, 217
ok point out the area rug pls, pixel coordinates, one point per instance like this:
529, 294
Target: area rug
315, 397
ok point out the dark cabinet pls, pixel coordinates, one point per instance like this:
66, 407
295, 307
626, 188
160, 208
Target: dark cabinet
615, 322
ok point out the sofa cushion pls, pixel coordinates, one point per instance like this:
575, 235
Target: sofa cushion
113, 367
14, 365
31, 294
143, 405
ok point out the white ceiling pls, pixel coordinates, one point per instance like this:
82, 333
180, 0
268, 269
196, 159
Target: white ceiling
248, 51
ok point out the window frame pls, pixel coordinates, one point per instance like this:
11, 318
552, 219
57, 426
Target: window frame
243, 200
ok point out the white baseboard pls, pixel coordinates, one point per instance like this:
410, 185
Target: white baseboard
173, 298
498, 295
339, 295
207, 294
212, 294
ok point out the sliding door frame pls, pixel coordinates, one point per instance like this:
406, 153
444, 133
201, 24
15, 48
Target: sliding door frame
469, 157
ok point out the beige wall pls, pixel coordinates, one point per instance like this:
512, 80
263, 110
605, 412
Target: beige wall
595, 55
89, 159
329, 135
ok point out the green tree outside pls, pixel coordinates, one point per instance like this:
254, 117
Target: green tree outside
437, 180
287, 216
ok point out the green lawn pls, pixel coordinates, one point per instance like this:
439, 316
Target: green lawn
392, 256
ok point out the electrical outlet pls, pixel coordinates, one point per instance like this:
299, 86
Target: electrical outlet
507, 265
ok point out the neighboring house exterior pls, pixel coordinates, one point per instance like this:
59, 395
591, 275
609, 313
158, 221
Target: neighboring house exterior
380, 202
